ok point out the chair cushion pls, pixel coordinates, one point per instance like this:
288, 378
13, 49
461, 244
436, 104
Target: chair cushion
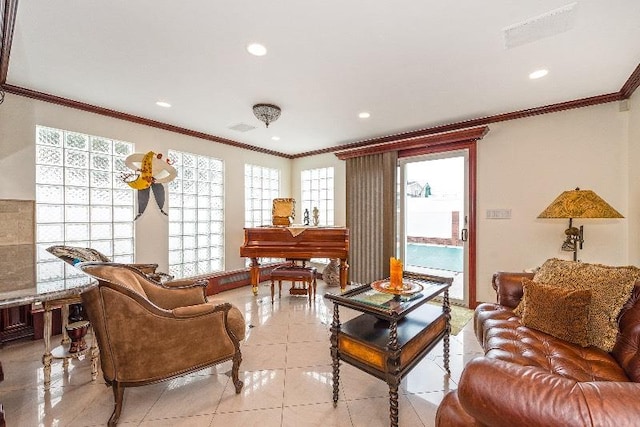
293, 272
557, 311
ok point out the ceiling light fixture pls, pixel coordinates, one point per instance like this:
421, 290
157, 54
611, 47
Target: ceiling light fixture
163, 104
267, 113
364, 115
538, 74
275, 138
256, 49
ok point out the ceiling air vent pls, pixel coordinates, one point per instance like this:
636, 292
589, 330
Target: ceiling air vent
242, 127
548, 24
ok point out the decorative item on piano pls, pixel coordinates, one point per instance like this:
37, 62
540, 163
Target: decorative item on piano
395, 277
283, 211
306, 217
316, 216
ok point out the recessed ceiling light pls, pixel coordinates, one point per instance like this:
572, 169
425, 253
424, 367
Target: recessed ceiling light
257, 49
163, 104
275, 138
364, 115
538, 73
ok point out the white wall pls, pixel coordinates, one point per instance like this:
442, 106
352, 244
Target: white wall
19, 117
523, 165
634, 179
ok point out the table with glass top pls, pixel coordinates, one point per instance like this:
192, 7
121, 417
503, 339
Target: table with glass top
31, 275
394, 332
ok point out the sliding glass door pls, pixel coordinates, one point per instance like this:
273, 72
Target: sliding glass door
434, 217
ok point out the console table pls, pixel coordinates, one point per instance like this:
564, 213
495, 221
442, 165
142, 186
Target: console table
390, 337
32, 275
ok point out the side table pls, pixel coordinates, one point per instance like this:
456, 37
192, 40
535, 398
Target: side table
62, 351
392, 335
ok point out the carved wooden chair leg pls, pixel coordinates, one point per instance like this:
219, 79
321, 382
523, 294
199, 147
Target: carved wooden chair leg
118, 396
237, 358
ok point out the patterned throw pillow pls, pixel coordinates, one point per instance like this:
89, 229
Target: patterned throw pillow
557, 311
610, 289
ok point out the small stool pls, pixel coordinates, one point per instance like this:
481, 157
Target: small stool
295, 273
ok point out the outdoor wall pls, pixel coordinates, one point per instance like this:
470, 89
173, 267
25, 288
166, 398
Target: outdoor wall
19, 117
523, 165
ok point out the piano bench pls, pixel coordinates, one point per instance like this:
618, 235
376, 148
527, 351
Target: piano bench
295, 273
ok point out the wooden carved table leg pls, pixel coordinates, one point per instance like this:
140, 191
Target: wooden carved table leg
2, 422
447, 312
64, 312
47, 357
95, 356
335, 328
393, 378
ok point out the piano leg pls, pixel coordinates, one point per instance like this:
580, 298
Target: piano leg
344, 267
255, 275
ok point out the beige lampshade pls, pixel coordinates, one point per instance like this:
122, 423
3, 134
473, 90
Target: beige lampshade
579, 204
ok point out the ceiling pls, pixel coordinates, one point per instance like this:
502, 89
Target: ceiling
410, 64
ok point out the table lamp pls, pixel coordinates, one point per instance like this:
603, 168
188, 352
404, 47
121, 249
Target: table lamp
578, 204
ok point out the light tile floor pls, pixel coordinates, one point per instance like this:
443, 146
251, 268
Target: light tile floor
286, 371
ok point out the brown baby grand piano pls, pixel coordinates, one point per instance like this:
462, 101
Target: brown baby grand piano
296, 243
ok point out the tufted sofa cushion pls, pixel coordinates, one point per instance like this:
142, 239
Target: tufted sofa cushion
504, 337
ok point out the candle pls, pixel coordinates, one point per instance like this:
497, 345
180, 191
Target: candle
395, 268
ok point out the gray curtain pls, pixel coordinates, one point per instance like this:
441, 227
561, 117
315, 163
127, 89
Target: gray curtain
371, 215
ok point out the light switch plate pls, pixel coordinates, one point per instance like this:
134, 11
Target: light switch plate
498, 213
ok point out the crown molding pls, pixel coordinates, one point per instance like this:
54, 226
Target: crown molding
631, 84
41, 96
482, 121
412, 143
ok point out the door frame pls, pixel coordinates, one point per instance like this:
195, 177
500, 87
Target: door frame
471, 148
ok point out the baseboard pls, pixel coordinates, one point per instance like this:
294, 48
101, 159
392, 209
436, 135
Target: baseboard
227, 280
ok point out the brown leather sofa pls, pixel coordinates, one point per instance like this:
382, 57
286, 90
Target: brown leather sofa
529, 378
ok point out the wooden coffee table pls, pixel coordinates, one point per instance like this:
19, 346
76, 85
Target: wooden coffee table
393, 334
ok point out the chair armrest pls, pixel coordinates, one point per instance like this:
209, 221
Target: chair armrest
170, 297
145, 268
186, 283
500, 393
193, 310
508, 287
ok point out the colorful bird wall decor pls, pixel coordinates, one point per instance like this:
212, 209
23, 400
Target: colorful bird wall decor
150, 173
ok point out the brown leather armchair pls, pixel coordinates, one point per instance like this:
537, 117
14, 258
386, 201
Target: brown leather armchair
148, 332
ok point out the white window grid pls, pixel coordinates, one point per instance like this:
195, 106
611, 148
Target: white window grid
261, 186
81, 199
317, 191
317, 186
196, 215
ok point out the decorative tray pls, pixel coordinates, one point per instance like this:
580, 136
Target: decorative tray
409, 287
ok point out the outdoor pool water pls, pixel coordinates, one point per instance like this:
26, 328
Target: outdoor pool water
433, 256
